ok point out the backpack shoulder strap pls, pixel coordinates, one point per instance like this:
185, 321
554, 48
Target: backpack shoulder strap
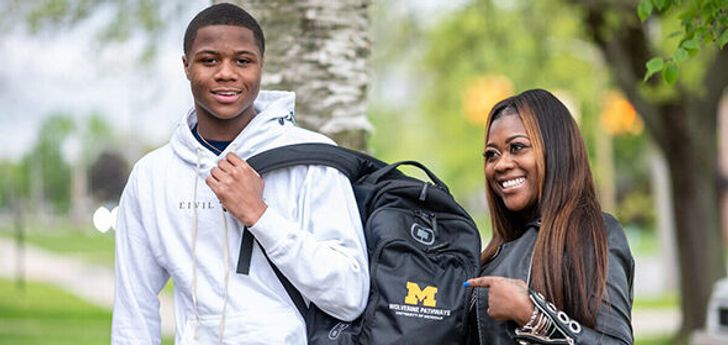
351, 163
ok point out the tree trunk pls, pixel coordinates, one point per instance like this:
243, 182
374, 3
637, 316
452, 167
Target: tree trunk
684, 128
698, 237
319, 49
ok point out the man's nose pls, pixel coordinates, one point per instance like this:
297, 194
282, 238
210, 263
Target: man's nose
226, 71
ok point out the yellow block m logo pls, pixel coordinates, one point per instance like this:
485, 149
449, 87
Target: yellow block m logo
415, 295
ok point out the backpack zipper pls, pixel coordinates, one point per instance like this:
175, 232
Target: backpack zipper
429, 217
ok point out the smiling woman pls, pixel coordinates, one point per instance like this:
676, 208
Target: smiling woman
556, 267
511, 163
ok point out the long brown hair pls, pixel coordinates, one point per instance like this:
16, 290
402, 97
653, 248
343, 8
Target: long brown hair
570, 254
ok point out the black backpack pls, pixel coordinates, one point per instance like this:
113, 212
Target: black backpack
422, 246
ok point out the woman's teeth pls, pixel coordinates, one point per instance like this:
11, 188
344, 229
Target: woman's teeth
514, 182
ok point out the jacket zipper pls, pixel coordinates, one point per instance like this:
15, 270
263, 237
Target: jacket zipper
530, 267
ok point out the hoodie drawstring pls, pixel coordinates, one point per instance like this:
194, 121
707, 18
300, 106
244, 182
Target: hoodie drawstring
194, 248
226, 254
226, 251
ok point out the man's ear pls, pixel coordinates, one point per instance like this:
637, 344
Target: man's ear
186, 65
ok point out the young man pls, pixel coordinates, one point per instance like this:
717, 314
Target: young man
185, 205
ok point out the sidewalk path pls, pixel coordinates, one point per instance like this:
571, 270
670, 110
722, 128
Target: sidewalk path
92, 283
652, 323
653, 278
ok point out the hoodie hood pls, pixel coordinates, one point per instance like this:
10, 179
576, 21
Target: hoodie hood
275, 115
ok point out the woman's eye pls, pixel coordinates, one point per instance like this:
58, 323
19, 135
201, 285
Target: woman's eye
516, 147
489, 155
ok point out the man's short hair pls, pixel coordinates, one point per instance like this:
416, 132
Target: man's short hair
224, 14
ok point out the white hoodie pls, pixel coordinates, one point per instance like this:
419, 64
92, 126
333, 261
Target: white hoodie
311, 231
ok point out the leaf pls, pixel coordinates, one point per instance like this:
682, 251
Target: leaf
680, 55
723, 39
669, 73
691, 44
674, 34
700, 32
655, 65
660, 4
644, 10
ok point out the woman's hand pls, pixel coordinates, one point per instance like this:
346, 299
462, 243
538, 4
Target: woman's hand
507, 298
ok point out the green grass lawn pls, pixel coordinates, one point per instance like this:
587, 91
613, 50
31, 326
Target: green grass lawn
669, 300
43, 314
654, 341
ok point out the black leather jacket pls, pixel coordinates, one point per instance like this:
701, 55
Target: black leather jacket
513, 260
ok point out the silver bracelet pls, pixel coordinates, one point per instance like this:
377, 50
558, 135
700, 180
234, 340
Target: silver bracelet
531, 321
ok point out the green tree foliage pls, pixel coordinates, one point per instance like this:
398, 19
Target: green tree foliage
96, 136
45, 166
431, 123
634, 182
702, 23
126, 19
483, 39
44, 173
9, 191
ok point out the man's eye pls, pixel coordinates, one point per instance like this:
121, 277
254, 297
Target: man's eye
244, 61
208, 60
